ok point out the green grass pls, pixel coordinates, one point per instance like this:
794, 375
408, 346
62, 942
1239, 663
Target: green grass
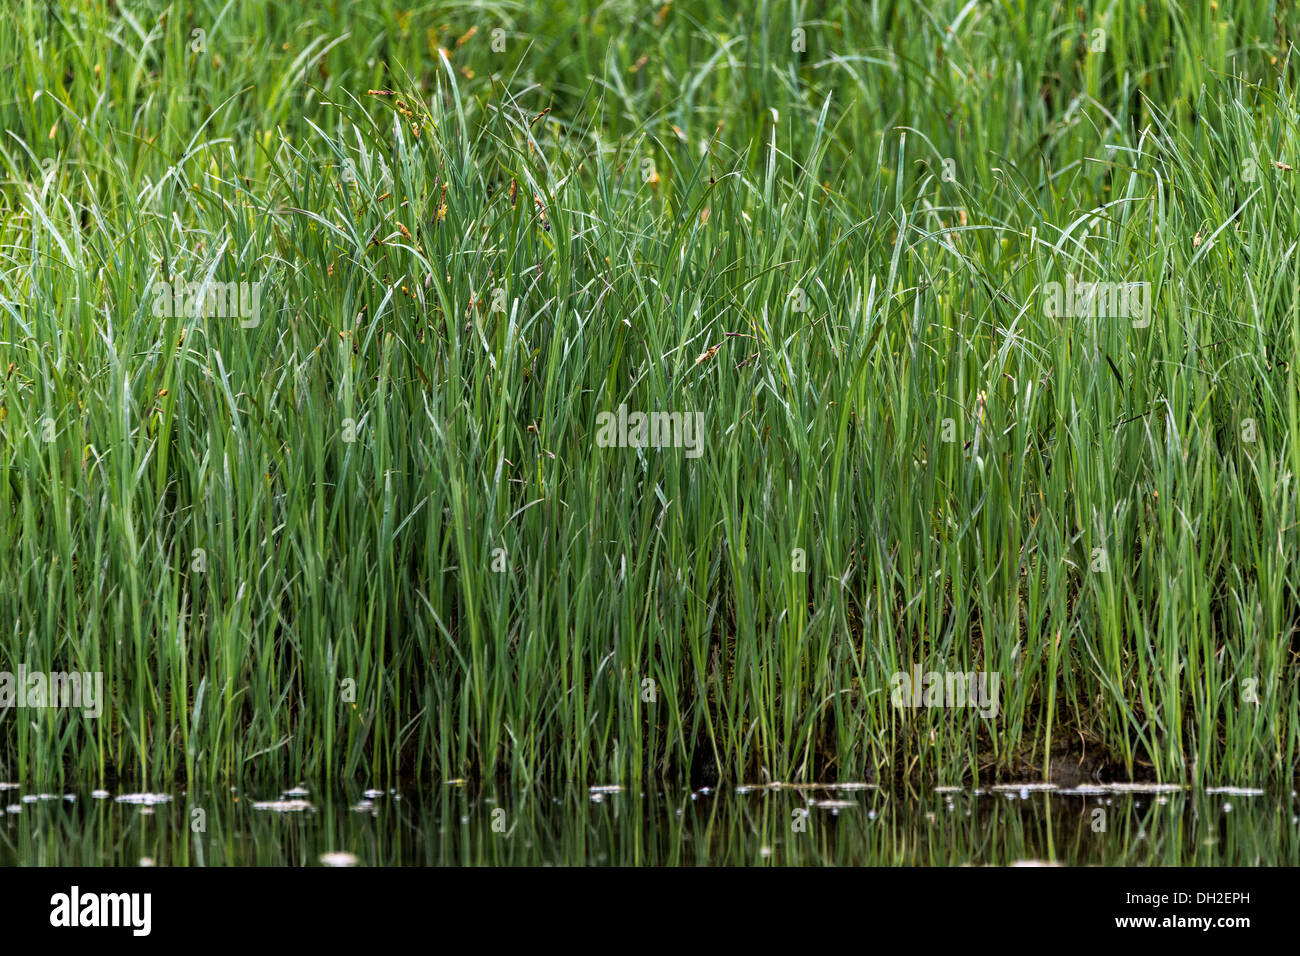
199, 527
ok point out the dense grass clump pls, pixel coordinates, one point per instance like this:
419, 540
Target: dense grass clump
369, 531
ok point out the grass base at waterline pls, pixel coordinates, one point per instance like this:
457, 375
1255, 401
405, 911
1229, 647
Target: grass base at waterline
349, 518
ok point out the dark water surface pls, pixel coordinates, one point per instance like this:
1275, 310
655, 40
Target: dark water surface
1117, 825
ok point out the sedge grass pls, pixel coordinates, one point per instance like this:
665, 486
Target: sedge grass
372, 536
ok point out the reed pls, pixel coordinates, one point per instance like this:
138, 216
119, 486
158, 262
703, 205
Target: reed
369, 531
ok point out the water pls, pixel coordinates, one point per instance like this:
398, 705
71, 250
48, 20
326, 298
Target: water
844, 825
